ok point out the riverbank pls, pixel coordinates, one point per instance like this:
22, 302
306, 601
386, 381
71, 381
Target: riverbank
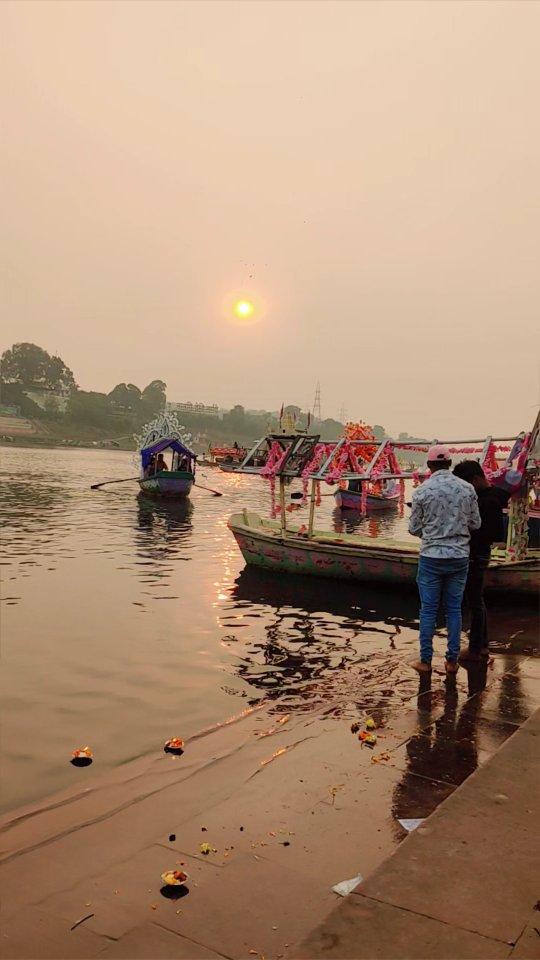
290, 804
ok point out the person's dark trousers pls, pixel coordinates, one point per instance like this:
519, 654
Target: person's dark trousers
474, 596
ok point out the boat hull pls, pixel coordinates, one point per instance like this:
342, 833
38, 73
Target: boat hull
351, 500
355, 558
175, 486
228, 467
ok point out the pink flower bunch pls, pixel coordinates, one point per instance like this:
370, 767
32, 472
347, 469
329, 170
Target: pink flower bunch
274, 460
320, 453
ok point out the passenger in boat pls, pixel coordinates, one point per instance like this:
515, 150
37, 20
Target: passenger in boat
160, 463
491, 501
150, 468
444, 512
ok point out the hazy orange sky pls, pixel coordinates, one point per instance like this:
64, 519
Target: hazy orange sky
369, 172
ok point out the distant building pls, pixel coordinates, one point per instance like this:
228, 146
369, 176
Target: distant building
50, 400
207, 410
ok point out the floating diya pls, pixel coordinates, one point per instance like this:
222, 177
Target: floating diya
82, 757
174, 745
174, 878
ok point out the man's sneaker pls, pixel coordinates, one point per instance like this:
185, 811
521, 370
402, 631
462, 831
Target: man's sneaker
451, 666
422, 666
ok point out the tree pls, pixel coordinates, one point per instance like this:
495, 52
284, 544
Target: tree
126, 396
379, 432
87, 406
154, 396
30, 365
235, 419
329, 429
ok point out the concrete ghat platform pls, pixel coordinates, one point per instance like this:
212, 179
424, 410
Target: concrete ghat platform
291, 805
463, 885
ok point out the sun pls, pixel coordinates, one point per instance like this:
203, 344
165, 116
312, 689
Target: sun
243, 309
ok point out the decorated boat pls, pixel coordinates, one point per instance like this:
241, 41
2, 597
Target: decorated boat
168, 464
351, 499
227, 457
365, 496
277, 544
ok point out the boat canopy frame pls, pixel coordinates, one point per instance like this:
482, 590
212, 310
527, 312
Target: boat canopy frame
300, 446
294, 453
166, 443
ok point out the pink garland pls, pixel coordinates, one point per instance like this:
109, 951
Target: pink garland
320, 453
423, 448
273, 463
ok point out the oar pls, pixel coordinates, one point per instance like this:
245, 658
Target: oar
208, 489
95, 486
297, 495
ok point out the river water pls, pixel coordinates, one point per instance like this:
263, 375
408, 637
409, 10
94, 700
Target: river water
126, 621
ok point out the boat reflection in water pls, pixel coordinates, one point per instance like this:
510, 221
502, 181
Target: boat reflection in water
341, 650
162, 533
166, 515
368, 526
338, 647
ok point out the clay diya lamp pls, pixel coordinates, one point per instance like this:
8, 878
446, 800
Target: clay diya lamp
174, 745
82, 757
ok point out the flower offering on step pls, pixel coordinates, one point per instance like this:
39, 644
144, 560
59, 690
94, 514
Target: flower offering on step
174, 878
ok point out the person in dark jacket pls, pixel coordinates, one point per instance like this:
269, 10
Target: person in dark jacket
491, 501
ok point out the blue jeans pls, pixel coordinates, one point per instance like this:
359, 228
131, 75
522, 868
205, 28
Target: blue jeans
441, 578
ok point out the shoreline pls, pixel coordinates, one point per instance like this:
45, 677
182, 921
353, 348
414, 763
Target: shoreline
290, 804
26, 444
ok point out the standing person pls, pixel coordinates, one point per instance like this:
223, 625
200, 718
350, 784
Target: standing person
444, 511
490, 502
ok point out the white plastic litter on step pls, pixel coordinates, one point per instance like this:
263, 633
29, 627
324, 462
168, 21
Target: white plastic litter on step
410, 825
347, 886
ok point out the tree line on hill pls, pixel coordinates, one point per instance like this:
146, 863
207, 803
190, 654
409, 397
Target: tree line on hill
28, 369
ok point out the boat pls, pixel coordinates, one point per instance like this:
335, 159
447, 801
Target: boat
351, 499
175, 483
353, 557
165, 433
276, 544
227, 457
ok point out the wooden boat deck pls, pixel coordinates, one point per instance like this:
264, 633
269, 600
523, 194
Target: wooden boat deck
255, 521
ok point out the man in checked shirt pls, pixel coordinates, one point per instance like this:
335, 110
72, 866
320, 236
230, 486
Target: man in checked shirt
444, 512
